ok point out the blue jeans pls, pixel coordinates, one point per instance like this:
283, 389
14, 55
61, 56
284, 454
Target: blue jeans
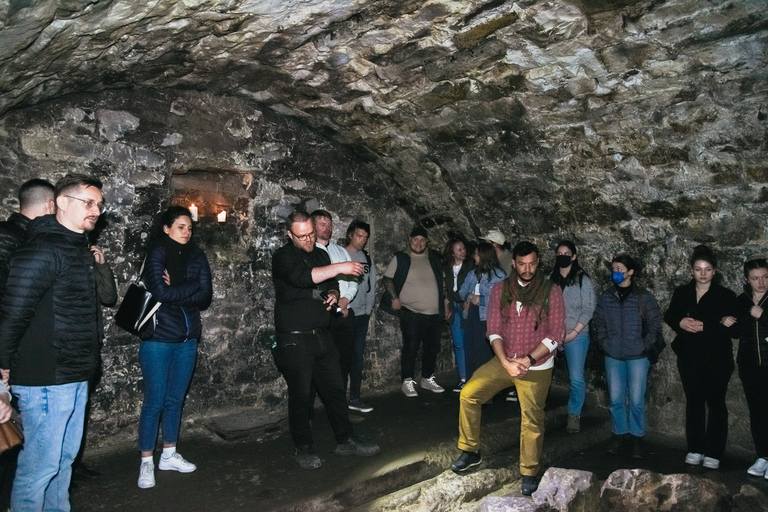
457, 334
576, 356
627, 380
52, 419
167, 370
358, 351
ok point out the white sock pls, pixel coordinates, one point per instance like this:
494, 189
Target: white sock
147, 459
168, 452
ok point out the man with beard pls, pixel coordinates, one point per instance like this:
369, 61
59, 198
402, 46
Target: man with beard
304, 352
50, 333
414, 284
526, 324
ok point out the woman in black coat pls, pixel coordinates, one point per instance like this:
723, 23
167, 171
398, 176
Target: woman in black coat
178, 275
698, 313
752, 326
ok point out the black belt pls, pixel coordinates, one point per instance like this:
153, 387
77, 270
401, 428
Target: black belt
313, 331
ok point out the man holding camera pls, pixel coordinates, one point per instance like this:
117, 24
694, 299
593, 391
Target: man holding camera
304, 352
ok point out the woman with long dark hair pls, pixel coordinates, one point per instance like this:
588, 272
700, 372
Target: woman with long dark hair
752, 325
627, 324
579, 298
456, 266
177, 273
475, 292
698, 313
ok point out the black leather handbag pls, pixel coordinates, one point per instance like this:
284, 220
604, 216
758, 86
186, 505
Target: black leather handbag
138, 308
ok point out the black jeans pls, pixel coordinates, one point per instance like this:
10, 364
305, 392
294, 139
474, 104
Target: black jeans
304, 360
356, 372
755, 381
418, 329
476, 347
343, 332
706, 414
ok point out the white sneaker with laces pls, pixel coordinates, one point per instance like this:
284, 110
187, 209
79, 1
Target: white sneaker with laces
409, 388
176, 463
711, 463
146, 475
759, 467
693, 458
430, 385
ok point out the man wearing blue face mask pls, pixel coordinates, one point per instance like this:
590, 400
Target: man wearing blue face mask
627, 323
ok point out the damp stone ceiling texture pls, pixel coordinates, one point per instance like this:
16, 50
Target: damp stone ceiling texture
607, 111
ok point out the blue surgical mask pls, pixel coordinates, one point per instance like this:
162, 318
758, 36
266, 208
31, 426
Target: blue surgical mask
617, 277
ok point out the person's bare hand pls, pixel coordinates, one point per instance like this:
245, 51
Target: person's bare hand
516, 367
474, 299
728, 320
690, 325
5, 376
98, 254
396, 305
5, 410
351, 267
756, 311
166, 277
344, 306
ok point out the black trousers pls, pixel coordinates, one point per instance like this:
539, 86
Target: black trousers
755, 381
343, 333
706, 413
306, 360
419, 329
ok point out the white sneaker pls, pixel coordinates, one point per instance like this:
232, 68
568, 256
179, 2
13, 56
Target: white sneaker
759, 467
146, 475
430, 385
694, 459
409, 388
711, 463
176, 463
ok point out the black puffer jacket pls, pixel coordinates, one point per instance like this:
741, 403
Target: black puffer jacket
49, 329
13, 232
178, 319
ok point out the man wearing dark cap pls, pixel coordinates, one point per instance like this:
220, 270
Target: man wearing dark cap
414, 284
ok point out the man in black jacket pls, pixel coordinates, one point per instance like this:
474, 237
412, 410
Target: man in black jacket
35, 200
305, 290
49, 339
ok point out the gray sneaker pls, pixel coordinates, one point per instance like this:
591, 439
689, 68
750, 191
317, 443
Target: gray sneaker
354, 446
574, 424
307, 458
409, 388
430, 385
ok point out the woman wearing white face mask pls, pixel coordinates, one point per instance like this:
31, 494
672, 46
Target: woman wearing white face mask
627, 324
698, 313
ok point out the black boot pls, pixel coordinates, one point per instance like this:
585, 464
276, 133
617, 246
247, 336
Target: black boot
638, 452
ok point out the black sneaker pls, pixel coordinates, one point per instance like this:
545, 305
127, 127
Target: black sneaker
459, 386
638, 452
353, 446
307, 458
530, 484
512, 396
616, 446
466, 461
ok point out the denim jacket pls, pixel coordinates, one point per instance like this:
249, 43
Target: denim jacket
486, 282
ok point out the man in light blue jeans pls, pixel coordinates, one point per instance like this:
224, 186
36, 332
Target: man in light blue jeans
50, 332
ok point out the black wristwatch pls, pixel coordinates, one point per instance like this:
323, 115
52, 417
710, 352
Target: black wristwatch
531, 359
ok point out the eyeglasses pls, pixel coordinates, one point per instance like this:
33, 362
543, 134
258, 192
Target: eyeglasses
90, 204
302, 238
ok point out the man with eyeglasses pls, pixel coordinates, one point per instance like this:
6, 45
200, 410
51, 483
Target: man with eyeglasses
50, 332
306, 290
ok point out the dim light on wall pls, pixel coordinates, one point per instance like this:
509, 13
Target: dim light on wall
193, 211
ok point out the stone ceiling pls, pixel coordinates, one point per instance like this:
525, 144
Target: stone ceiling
604, 111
